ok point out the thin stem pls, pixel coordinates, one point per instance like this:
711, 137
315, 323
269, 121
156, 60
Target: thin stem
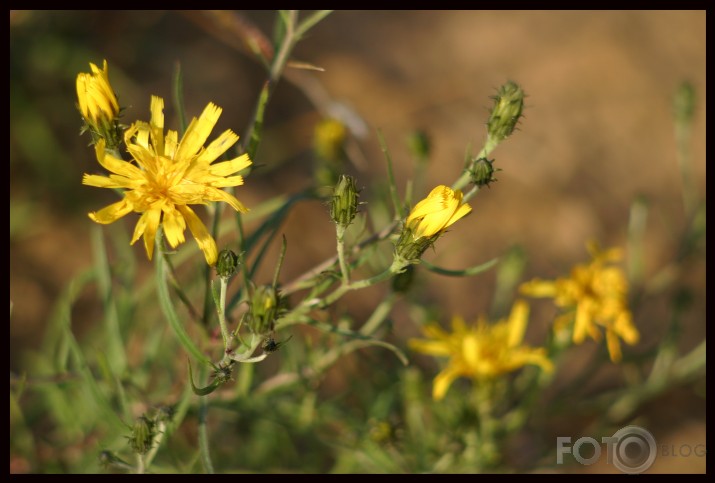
220, 310
344, 268
368, 282
203, 437
379, 314
141, 468
156, 443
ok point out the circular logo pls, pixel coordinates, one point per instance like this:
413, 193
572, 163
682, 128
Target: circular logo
634, 450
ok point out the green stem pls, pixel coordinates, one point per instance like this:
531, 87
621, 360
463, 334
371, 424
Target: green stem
203, 437
344, 268
220, 310
368, 282
379, 314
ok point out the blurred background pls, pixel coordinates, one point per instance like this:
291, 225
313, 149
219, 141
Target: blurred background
598, 132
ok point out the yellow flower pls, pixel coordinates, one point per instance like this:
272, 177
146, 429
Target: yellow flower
597, 296
97, 101
169, 176
427, 221
329, 138
483, 351
434, 214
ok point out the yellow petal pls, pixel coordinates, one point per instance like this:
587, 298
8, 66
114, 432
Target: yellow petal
538, 288
157, 124
152, 225
517, 323
583, 321
217, 147
100, 181
114, 165
215, 194
443, 380
201, 234
174, 226
111, 213
429, 347
198, 131
227, 168
614, 346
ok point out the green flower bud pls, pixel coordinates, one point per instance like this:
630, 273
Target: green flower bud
266, 305
227, 263
143, 433
344, 203
223, 373
508, 104
482, 172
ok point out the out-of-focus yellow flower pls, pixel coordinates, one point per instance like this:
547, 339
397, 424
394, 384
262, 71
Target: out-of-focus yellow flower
329, 138
434, 214
169, 176
482, 351
596, 294
97, 100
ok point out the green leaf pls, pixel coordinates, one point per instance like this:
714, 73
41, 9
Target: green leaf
167, 307
466, 272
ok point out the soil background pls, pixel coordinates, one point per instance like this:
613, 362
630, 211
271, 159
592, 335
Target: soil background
598, 132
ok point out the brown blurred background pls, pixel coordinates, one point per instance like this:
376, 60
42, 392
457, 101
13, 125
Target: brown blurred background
598, 131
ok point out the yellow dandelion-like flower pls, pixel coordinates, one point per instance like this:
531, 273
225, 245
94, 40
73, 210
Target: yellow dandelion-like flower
169, 176
97, 101
482, 351
596, 295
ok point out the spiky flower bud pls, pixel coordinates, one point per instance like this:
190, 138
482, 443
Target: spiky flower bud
508, 104
344, 203
227, 263
266, 305
482, 172
142, 436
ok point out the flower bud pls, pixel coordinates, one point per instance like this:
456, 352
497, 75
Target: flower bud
482, 172
143, 433
508, 104
428, 220
98, 105
266, 305
227, 263
344, 203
